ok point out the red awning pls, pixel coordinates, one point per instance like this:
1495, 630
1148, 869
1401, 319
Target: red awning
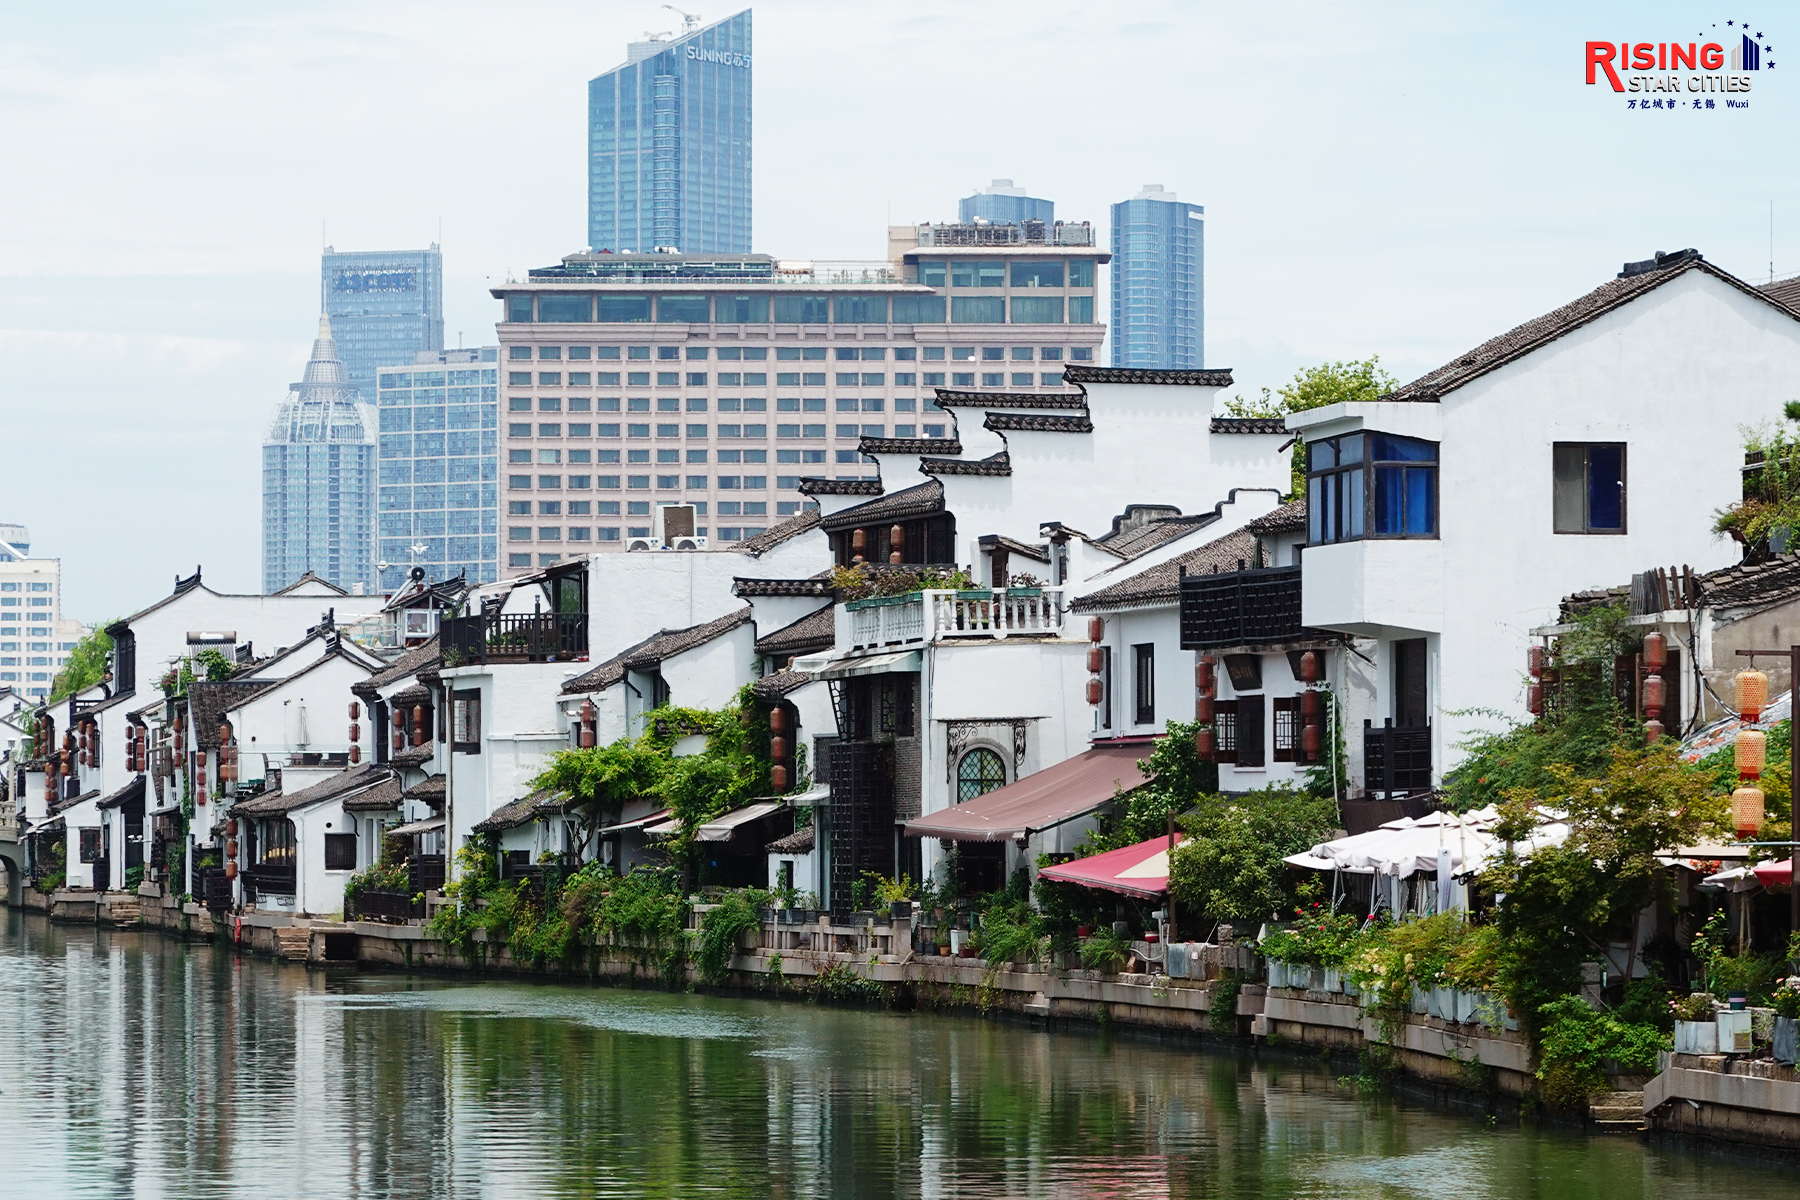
1140, 870
1776, 874
1054, 795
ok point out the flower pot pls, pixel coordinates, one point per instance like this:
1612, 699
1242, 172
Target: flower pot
900, 910
1787, 1039
1084, 931
1315, 978
1277, 973
1334, 979
1734, 1031
944, 950
957, 938
1418, 1000
1697, 1037
966, 952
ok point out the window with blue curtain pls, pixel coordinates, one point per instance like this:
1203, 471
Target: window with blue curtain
1371, 485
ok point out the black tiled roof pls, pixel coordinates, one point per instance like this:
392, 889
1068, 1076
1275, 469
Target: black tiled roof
211, 701
778, 533
519, 812
1249, 425
1084, 373
1751, 586
994, 464
383, 797
1161, 584
812, 485
875, 445
815, 631
1038, 423
948, 398
920, 500
277, 802
1288, 518
653, 650
1538, 332
776, 684
419, 658
798, 842
818, 585
1784, 291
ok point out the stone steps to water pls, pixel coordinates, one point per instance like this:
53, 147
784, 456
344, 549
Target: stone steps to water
1618, 1112
292, 944
124, 912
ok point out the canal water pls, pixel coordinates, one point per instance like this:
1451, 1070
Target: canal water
131, 1065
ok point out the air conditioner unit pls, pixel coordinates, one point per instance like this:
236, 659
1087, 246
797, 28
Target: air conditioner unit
688, 543
644, 544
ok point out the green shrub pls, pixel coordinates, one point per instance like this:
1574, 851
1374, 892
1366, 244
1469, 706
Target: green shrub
1106, 952
736, 914
1578, 1045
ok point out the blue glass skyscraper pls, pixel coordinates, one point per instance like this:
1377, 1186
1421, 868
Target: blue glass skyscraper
438, 504
319, 478
1158, 246
385, 306
669, 144
1001, 203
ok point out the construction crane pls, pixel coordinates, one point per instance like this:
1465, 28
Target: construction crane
689, 21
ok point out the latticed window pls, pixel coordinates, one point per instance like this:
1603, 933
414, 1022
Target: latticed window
979, 772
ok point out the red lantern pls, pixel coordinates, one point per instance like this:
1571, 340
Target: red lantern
231, 828
778, 719
399, 741
778, 747
588, 712
1207, 743
225, 732
1204, 708
1653, 694
399, 717
1093, 690
231, 870
586, 737
1653, 731
1310, 705
1096, 660
231, 848
1096, 629
355, 732
1309, 667
778, 778
1534, 699
355, 753
418, 733
1309, 742
1535, 659
355, 711
1656, 650
1203, 674
859, 541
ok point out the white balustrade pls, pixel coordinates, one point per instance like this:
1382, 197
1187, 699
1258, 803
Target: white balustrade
938, 615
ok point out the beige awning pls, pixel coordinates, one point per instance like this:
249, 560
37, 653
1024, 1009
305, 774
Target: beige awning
821, 666
655, 818
425, 826
723, 829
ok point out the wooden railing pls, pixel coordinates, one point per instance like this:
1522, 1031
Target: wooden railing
274, 880
425, 872
532, 637
1240, 608
378, 904
1396, 758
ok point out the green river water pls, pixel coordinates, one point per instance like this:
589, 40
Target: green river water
131, 1065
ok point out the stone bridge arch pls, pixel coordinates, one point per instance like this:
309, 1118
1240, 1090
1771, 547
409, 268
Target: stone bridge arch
12, 872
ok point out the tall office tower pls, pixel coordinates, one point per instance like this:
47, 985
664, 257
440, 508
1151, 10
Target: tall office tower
636, 381
1158, 253
385, 306
319, 478
1004, 204
35, 639
669, 143
437, 504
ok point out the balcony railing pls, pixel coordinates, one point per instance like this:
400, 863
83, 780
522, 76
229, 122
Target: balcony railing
377, 904
1396, 758
533, 637
1241, 608
272, 880
934, 616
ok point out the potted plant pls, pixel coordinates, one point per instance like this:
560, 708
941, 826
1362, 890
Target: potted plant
1696, 1030
1787, 1020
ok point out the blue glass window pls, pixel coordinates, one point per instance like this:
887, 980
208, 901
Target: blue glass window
692, 309
624, 309
1385, 488
565, 309
802, 310
978, 310
1588, 487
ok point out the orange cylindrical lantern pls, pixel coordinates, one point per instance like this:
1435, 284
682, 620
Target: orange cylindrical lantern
399, 717
1653, 731
1752, 693
1096, 629
1751, 752
399, 741
355, 753
1535, 659
586, 737
231, 848
1093, 690
231, 828
778, 778
1096, 660
1207, 743
588, 712
1204, 709
355, 732
897, 536
1747, 810
1309, 742
1310, 667
778, 721
355, 711
1310, 705
859, 540
1654, 693
1203, 674
1534, 699
1656, 650
778, 747
231, 870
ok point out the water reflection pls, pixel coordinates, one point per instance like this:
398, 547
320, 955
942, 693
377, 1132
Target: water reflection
130, 1065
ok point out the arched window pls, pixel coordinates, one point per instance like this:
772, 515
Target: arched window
979, 772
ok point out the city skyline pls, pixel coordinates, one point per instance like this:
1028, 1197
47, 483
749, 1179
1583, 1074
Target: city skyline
1405, 190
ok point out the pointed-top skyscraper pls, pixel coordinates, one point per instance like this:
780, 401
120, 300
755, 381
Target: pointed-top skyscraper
319, 478
669, 143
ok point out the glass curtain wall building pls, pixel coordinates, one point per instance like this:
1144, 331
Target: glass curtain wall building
1158, 253
630, 381
385, 306
669, 144
1003, 204
438, 500
319, 478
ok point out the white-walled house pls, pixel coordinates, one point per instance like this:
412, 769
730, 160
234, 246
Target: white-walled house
1449, 518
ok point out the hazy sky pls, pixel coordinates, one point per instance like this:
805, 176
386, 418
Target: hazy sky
1400, 179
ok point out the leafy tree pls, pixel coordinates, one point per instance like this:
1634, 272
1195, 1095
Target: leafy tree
85, 664
1230, 867
1315, 387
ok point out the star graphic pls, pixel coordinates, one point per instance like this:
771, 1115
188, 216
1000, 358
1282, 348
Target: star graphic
1731, 22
